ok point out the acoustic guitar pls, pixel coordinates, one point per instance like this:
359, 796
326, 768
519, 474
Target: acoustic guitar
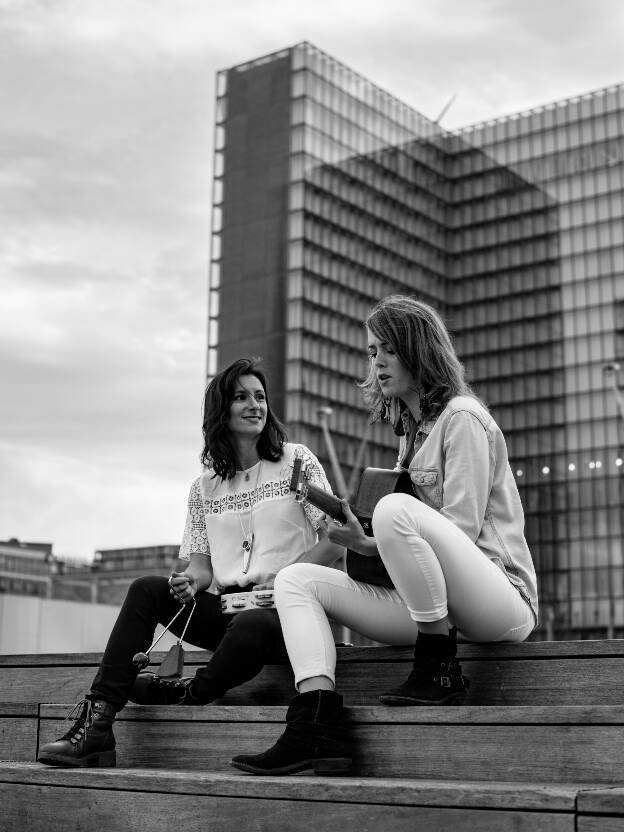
374, 484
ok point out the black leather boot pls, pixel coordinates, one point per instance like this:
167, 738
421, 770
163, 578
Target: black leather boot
315, 738
436, 677
90, 742
151, 689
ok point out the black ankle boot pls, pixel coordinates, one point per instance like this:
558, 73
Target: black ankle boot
89, 742
436, 677
315, 738
151, 689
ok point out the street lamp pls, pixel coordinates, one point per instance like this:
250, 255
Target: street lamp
611, 371
341, 486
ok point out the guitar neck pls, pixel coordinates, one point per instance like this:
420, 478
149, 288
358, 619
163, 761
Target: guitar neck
326, 502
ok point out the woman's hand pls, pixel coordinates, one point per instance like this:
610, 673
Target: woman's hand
182, 586
350, 534
266, 585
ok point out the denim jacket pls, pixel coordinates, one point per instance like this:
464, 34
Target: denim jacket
460, 468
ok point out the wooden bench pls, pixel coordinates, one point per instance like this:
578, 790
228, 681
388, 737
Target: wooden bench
539, 745
532, 673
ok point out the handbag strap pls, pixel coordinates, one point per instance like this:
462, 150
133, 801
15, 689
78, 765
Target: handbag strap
187, 621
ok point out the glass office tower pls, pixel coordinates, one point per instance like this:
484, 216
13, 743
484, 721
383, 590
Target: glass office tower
329, 193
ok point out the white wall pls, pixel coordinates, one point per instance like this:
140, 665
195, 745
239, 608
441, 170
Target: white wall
41, 625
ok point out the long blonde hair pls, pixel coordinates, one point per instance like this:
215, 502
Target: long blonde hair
419, 338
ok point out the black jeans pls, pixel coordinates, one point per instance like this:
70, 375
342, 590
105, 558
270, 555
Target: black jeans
242, 643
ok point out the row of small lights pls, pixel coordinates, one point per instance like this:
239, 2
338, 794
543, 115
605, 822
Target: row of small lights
593, 464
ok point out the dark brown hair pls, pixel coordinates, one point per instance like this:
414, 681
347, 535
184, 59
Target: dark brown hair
219, 450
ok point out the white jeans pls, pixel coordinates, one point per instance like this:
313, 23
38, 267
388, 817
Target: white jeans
437, 571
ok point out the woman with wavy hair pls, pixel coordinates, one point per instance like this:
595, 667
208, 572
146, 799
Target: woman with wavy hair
243, 525
454, 549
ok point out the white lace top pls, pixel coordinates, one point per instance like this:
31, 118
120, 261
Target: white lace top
222, 513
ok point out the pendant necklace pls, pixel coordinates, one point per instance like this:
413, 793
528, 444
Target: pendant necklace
248, 535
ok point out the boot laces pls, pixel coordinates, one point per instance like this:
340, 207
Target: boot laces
82, 724
173, 683
178, 685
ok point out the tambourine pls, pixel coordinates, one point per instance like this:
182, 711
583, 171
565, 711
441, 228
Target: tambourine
240, 601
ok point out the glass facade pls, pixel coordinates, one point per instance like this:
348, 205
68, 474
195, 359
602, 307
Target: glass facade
329, 193
564, 291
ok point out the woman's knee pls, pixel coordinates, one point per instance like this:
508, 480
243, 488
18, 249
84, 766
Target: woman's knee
295, 577
390, 509
146, 584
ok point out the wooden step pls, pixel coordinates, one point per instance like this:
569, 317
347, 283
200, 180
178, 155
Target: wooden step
490, 743
19, 725
532, 673
41, 799
601, 810
539, 746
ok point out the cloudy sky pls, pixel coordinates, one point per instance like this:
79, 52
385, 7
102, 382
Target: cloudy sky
105, 174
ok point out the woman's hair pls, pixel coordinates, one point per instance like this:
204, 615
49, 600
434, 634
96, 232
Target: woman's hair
417, 335
219, 449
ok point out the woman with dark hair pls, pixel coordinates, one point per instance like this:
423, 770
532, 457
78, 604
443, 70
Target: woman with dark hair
243, 525
455, 549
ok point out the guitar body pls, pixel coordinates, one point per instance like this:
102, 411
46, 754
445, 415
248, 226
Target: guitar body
375, 483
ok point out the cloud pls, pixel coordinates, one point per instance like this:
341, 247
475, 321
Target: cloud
87, 502
101, 412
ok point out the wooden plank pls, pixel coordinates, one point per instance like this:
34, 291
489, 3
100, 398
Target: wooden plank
602, 801
303, 787
19, 709
440, 750
570, 681
498, 651
468, 794
597, 681
69, 683
493, 682
47, 808
544, 650
92, 660
600, 823
196, 746
18, 738
43, 684
375, 714
555, 682
50, 659
530, 715
557, 753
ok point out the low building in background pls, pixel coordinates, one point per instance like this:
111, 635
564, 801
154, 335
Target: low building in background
32, 569
107, 578
26, 568
47, 602
113, 570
